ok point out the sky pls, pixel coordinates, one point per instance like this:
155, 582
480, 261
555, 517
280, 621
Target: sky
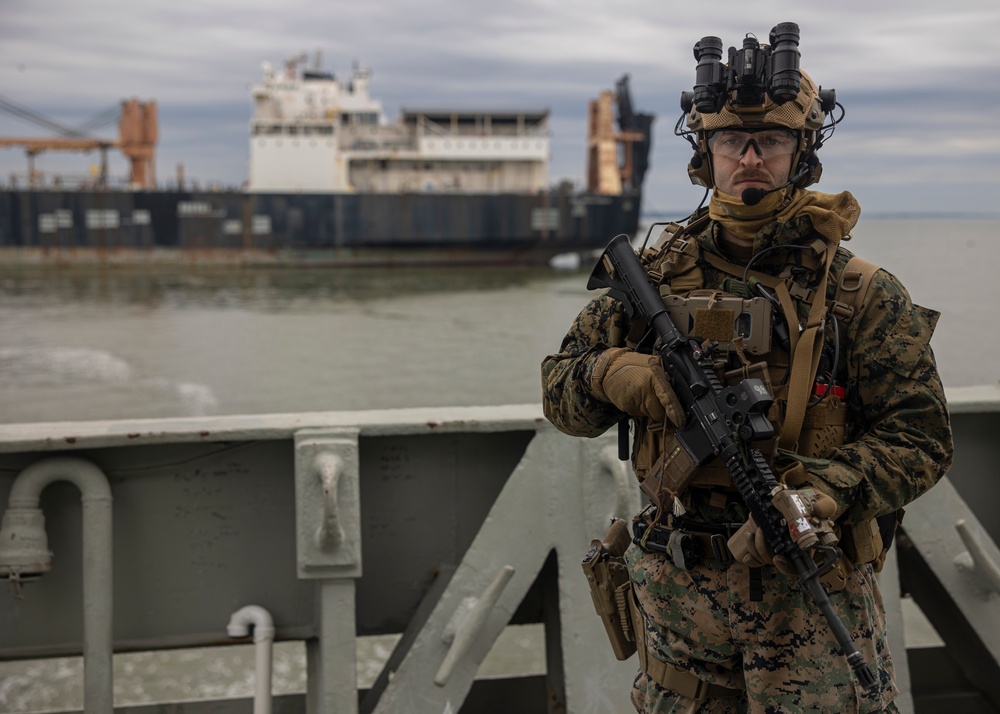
918, 80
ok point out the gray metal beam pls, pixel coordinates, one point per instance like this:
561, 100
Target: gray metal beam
955, 596
556, 499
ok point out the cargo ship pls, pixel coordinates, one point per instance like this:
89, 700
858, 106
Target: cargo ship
333, 182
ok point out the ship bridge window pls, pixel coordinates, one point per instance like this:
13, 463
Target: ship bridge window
317, 130
359, 118
267, 129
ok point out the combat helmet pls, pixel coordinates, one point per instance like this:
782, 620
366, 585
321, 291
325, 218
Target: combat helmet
762, 86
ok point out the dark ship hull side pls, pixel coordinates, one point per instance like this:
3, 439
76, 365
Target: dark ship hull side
336, 229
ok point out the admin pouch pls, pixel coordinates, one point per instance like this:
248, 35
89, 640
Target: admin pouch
611, 587
726, 320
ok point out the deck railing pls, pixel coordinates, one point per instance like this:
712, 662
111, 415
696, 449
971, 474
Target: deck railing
443, 528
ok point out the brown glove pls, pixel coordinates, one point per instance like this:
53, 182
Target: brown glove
636, 384
807, 513
749, 547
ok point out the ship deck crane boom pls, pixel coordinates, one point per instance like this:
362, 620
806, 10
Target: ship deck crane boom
137, 129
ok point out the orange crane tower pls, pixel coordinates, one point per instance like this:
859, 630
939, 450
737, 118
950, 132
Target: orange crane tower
138, 132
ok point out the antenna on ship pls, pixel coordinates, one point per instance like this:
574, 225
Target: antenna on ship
292, 64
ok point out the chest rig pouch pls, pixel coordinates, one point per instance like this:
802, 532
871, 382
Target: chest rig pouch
741, 329
727, 320
745, 326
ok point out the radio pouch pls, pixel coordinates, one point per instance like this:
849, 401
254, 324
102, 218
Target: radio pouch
611, 587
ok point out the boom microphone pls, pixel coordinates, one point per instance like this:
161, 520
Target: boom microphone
753, 196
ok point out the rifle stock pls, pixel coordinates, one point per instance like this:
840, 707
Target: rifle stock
722, 421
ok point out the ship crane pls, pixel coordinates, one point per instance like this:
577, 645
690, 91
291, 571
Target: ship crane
617, 160
137, 137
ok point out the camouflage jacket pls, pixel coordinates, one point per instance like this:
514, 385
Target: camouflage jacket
899, 440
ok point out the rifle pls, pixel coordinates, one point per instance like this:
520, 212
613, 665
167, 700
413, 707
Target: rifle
722, 422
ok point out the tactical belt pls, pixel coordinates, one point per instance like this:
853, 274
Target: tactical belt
688, 543
686, 684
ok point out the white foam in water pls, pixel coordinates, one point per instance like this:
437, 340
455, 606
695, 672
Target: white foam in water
565, 261
196, 399
66, 368
64, 365
199, 398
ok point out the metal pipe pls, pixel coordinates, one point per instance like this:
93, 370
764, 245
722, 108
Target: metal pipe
263, 637
98, 694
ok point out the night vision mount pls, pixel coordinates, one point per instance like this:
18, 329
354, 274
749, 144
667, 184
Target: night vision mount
752, 71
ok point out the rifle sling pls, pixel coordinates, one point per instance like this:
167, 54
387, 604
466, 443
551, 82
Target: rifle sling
805, 361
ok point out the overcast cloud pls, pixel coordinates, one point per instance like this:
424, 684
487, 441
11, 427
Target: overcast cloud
918, 80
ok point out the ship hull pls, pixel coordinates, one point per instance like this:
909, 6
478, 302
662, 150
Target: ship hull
314, 229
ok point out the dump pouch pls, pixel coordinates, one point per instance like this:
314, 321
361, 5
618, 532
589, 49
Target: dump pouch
887, 526
869, 542
611, 587
861, 542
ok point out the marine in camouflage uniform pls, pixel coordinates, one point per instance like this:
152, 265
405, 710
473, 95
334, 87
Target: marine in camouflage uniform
735, 637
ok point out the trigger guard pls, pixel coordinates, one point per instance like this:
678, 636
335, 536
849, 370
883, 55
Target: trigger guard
831, 555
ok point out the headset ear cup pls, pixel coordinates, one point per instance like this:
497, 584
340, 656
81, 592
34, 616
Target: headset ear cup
813, 172
699, 170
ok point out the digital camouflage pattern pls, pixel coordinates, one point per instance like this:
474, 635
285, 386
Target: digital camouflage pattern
898, 445
779, 649
899, 441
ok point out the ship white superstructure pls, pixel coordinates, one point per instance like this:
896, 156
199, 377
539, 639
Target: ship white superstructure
312, 134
